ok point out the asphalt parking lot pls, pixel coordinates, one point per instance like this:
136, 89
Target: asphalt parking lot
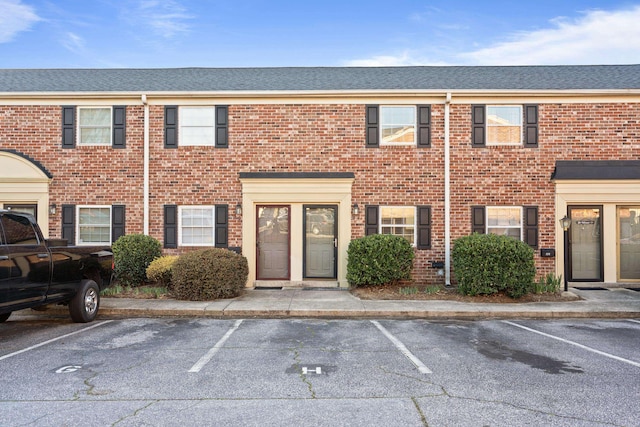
132, 372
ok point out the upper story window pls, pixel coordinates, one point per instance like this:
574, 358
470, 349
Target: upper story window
399, 220
506, 221
197, 125
504, 124
94, 125
94, 225
196, 225
398, 125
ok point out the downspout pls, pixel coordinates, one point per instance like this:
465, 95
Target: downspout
447, 195
145, 185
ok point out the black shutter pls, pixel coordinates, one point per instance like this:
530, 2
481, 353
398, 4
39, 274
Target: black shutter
117, 222
478, 220
68, 127
424, 227
222, 226
371, 213
372, 125
531, 126
119, 127
170, 226
222, 126
69, 223
424, 126
478, 126
170, 126
531, 225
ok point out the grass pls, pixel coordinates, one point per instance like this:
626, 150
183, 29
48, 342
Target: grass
144, 291
549, 284
408, 290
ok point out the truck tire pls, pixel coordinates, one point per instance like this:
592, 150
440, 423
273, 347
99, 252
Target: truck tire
4, 317
84, 306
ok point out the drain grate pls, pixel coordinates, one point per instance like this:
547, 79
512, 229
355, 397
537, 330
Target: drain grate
268, 288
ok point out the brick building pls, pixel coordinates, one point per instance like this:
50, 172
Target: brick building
288, 165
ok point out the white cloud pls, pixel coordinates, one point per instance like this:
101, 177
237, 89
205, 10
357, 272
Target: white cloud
167, 18
15, 18
406, 58
597, 37
73, 42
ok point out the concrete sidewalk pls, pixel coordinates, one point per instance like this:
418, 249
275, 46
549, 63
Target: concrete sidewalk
303, 303
299, 303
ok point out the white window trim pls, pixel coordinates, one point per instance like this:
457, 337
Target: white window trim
415, 127
415, 219
506, 144
502, 226
79, 127
78, 224
181, 138
213, 226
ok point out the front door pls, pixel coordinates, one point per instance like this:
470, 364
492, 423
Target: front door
320, 241
585, 243
273, 242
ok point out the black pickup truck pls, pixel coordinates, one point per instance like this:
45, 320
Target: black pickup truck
35, 272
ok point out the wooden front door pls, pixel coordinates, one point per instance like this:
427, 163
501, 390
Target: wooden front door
273, 242
320, 241
585, 243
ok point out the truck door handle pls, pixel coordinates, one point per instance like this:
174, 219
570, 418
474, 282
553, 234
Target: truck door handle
43, 255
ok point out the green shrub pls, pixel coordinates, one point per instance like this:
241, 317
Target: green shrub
378, 259
488, 264
160, 270
209, 274
549, 284
132, 254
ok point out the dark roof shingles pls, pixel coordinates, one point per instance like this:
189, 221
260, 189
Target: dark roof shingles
569, 77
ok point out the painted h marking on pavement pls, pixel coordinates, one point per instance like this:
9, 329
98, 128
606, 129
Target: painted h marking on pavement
584, 347
207, 357
403, 349
24, 350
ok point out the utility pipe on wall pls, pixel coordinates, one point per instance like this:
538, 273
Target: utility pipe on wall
146, 166
447, 194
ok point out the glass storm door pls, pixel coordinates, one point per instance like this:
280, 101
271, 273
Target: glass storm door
629, 243
273, 242
585, 243
320, 241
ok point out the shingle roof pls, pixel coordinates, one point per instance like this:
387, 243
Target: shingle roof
570, 77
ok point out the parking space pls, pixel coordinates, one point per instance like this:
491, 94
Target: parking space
404, 370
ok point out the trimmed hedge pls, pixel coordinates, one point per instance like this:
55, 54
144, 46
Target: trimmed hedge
209, 274
378, 259
132, 254
160, 270
487, 264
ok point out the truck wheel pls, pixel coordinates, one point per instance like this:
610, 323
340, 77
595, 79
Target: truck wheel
84, 306
4, 317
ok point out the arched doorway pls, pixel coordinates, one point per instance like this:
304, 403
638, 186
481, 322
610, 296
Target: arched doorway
24, 185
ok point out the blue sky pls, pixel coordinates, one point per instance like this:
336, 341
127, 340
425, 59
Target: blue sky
274, 33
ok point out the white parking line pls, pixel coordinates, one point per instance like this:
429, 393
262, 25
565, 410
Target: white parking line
584, 347
207, 357
632, 320
403, 349
24, 350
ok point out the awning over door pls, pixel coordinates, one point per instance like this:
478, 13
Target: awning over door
596, 170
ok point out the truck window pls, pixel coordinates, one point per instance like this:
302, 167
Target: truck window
18, 230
